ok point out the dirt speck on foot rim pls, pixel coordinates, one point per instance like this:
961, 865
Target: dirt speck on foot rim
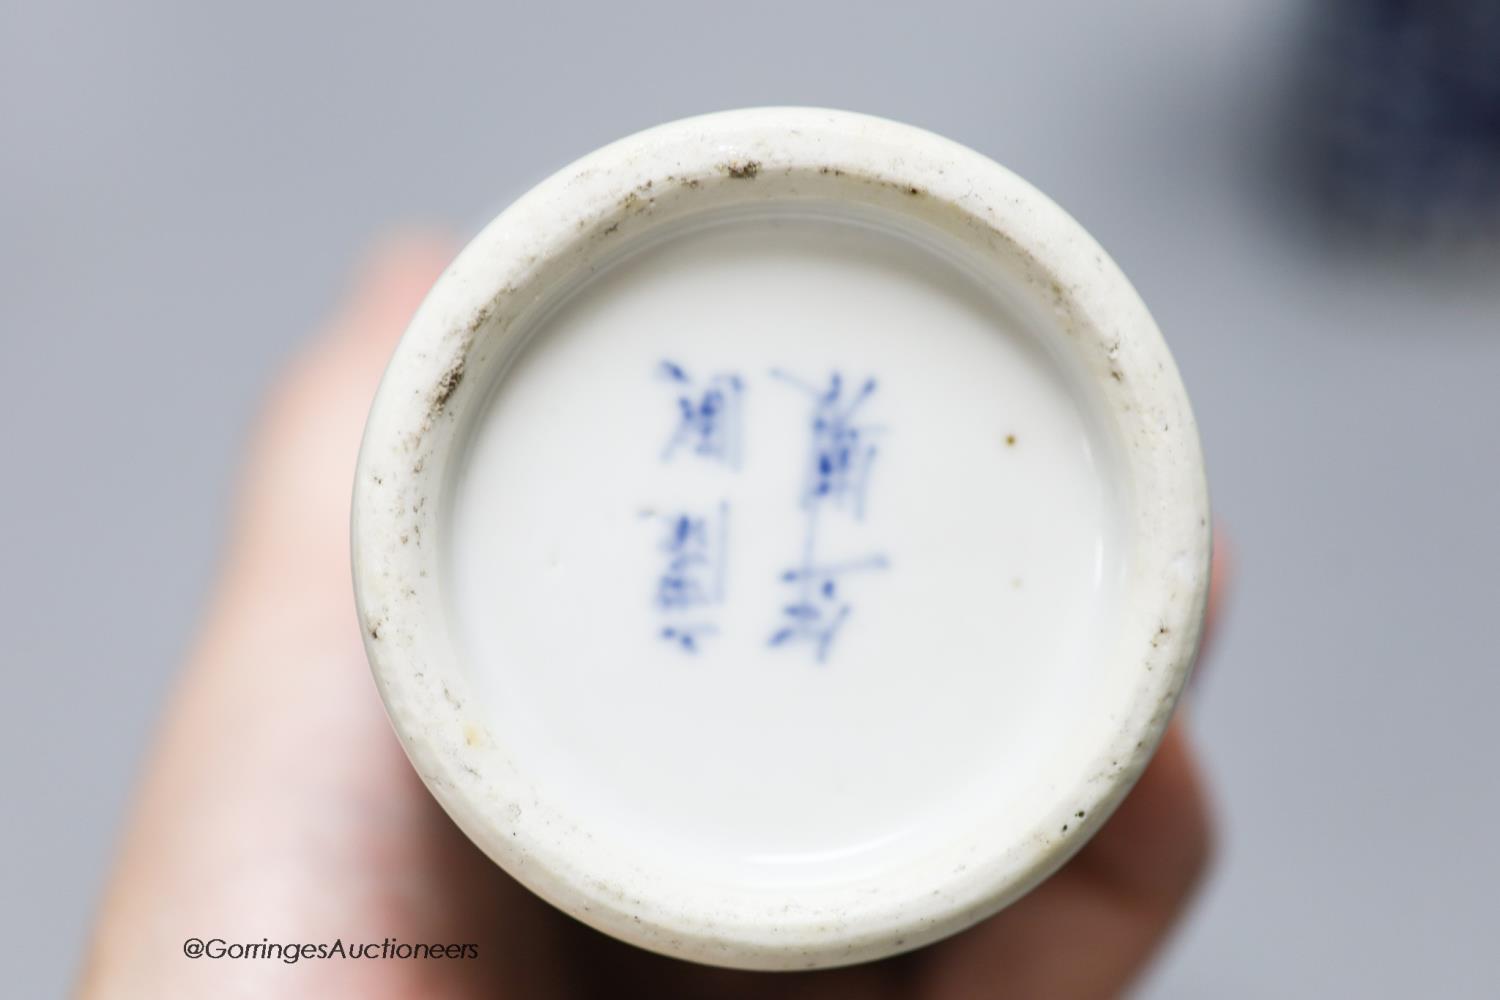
743, 170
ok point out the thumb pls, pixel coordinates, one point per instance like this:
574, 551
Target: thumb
291, 522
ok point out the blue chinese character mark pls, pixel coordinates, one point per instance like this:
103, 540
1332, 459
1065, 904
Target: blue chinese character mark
842, 451
708, 415
686, 636
694, 547
693, 576
819, 609
837, 471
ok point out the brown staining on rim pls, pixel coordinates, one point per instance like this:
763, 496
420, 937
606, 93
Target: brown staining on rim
447, 385
1010, 440
635, 201
742, 170
483, 315
374, 629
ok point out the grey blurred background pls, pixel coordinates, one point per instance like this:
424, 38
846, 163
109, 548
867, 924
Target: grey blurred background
183, 188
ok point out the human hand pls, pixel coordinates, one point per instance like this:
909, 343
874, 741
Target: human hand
277, 802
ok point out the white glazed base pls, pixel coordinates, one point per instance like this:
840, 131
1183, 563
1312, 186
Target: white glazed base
1036, 506
959, 665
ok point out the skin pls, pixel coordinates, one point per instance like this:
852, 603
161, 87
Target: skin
277, 802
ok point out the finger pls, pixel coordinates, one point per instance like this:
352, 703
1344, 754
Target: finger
293, 503
1221, 572
387, 287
